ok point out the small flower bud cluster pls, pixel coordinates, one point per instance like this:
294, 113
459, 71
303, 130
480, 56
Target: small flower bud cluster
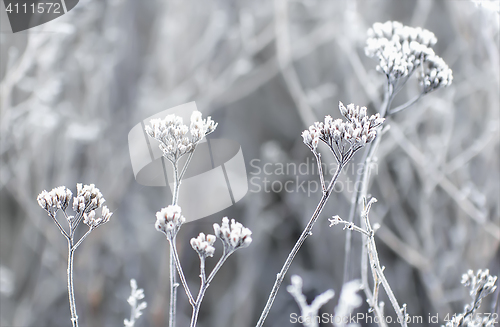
481, 285
358, 130
87, 200
169, 220
401, 49
90, 219
233, 237
201, 127
173, 134
133, 300
203, 245
57, 198
436, 74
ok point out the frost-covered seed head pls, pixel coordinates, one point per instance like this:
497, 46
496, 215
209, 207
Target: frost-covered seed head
401, 49
173, 136
169, 220
57, 198
351, 135
88, 198
203, 245
436, 74
233, 237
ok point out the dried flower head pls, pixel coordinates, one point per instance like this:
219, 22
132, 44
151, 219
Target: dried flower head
169, 220
481, 285
400, 49
57, 198
203, 245
89, 218
233, 237
435, 74
173, 134
344, 138
88, 198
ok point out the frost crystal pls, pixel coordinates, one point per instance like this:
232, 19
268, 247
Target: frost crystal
234, 237
173, 134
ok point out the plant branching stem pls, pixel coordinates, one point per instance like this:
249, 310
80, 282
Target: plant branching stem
305, 233
205, 282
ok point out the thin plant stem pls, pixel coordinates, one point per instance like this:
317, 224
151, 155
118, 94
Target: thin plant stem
375, 265
205, 282
71, 292
180, 271
173, 273
406, 104
305, 233
361, 178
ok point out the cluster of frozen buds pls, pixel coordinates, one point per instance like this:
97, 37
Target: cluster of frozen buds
57, 198
233, 237
481, 285
436, 74
204, 245
344, 137
401, 49
169, 220
173, 136
88, 198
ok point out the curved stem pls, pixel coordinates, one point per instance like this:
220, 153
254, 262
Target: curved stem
305, 233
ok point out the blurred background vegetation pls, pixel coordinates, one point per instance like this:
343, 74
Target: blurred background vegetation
72, 89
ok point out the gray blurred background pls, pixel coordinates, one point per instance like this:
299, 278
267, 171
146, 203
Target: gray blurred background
72, 89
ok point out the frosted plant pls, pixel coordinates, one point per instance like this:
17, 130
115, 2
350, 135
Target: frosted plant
233, 237
376, 268
175, 140
401, 51
344, 139
308, 312
169, 220
435, 74
349, 300
136, 306
173, 134
481, 285
87, 200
